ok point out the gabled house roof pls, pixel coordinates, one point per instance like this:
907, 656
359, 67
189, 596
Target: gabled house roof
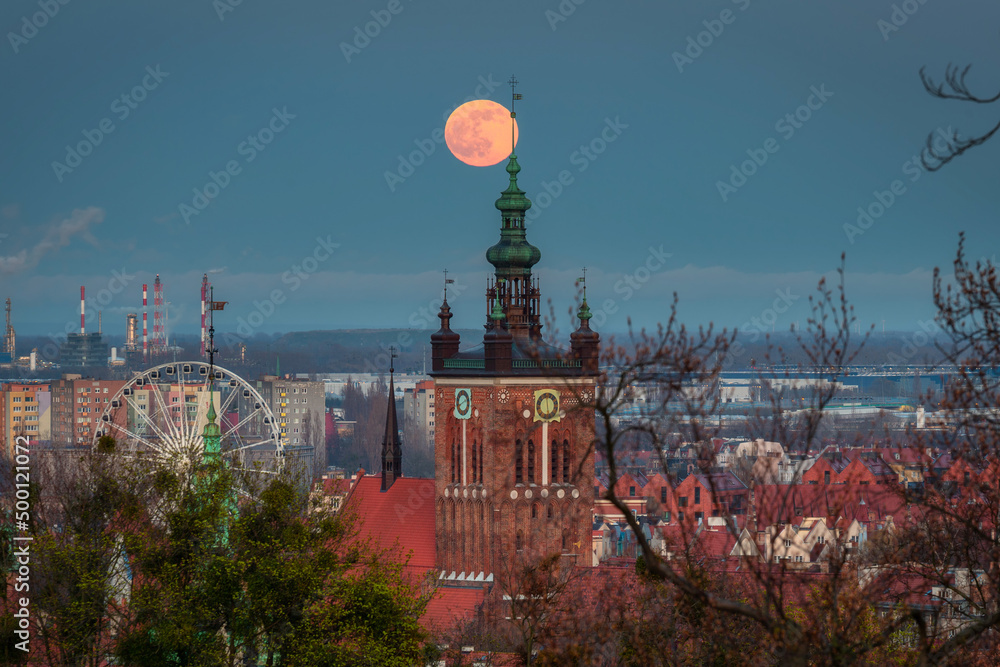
400, 519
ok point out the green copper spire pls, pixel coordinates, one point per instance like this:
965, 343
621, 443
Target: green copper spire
512, 200
211, 436
497, 313
513, 256
584, 313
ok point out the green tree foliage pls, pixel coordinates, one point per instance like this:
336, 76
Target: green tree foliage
284, 584
151, 566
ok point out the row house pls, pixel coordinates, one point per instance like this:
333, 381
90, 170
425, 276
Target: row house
787, 517
803, 543
717, 539
864, 467
695, 498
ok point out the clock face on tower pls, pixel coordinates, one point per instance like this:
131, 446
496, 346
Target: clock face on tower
546, 405
463, 403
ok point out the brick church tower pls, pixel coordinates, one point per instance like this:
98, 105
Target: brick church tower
514, 466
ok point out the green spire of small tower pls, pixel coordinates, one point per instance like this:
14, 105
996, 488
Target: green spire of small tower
584, 313
211, 436
497, 314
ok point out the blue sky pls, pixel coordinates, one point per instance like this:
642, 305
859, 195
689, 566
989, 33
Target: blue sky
310, 232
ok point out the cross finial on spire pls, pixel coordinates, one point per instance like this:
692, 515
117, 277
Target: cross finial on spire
447, 281
582, 280
392, 355
513, 98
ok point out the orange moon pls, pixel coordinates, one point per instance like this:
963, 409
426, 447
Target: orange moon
478, 133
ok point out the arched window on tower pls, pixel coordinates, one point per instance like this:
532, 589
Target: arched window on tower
566, 462
518, 463
475, 466
519, 541
451, 456
482, 455
531, 461
554, 464
534, 510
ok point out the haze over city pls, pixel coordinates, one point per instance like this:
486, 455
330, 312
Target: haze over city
648, 112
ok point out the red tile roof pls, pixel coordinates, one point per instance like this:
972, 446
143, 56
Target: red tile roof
449, 606
402, 521
404, 513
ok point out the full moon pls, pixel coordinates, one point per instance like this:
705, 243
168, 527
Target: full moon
478, 133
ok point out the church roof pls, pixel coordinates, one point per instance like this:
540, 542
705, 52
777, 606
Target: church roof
400, 519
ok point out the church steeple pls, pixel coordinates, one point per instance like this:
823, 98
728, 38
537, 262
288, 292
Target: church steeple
512, 257
392, 450
211, 436
444, 342
585, 343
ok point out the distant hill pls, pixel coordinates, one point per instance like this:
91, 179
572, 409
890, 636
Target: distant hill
362, 338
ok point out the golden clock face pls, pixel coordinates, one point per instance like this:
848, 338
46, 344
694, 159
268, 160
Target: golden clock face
463, 403
546, 405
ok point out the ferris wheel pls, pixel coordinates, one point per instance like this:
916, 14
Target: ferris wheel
162, 412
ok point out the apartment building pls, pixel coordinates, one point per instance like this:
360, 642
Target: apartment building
25, 411
77, 406
299, 406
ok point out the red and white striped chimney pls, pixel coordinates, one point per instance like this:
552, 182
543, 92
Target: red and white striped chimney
145, 344
83, 329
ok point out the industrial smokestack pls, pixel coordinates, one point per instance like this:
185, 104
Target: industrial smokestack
83, 328
204, 296
145, 344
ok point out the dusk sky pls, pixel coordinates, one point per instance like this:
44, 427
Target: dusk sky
346, 219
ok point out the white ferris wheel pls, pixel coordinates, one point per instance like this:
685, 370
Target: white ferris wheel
162, 411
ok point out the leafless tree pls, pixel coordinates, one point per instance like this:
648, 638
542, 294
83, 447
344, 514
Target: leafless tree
954, 87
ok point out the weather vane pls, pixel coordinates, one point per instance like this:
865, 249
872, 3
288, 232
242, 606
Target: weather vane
582, 280
513, 98
213, 306
447, 281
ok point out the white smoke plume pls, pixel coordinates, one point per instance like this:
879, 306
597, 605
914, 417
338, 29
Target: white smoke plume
57, 236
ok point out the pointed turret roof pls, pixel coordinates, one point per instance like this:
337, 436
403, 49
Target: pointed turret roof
391, 423
211, 436
392, 450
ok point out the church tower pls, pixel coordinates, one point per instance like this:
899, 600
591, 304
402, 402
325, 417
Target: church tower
514, 466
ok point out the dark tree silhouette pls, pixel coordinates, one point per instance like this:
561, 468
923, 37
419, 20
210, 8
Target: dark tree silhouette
954, 87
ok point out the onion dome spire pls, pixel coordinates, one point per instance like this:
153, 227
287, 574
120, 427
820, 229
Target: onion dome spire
512, 257
585, 342
513, 254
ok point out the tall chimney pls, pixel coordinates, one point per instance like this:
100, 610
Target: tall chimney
145, 344
83, 329
204, 297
